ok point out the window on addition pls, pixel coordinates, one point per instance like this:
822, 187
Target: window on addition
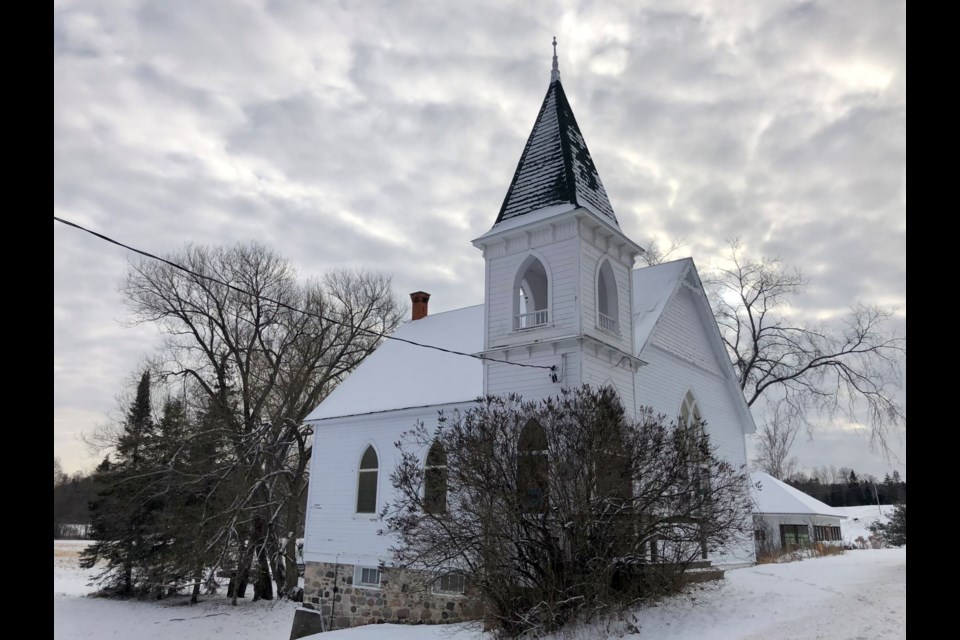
794, 534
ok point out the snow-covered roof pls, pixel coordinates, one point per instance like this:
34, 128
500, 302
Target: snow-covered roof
399, 375
775, 496
555, 167
652, 287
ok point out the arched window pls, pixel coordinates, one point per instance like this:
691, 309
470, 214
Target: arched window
531, 307
699, 471
608, 305
612, 467
367, 482
435, 480
690, 411
532, 468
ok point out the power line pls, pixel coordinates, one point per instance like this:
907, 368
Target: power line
284, 305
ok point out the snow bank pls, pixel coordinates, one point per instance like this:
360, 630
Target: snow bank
859, 518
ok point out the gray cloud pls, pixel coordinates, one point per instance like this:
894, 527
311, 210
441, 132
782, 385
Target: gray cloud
385, 136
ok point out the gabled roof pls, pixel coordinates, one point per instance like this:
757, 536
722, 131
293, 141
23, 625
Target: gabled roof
652, 287
399, 375
556, 167
775, 496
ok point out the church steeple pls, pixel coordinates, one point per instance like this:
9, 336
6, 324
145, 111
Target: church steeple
555, 73
555, 167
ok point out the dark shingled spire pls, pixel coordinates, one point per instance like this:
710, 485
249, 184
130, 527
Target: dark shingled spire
556, 167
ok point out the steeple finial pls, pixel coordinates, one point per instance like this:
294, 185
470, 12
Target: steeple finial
555, 73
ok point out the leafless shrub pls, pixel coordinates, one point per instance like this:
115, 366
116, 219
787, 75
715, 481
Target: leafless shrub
565, 509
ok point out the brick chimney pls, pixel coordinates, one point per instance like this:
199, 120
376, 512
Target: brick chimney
420, 299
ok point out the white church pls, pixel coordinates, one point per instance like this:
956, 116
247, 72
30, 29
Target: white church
561, 291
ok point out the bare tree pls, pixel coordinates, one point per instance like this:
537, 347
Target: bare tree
775, 439
58, 474
850, 370
562, 509
656, 254
262, 353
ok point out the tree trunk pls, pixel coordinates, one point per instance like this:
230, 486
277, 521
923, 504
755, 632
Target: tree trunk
238, 582
197, 579
291, 570
262, 585
279, 570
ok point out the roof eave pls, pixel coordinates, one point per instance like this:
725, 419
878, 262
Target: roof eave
586, 216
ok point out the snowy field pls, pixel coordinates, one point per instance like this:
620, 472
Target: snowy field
859, 595
859, 518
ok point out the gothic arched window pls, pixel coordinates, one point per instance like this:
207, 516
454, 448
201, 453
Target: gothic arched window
531, 307
435, 480
690, 411
367, 481
699, 471
532, 467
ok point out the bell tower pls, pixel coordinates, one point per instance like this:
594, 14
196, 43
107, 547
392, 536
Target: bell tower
558, 268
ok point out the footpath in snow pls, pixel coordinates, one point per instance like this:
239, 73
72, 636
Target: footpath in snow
859, 595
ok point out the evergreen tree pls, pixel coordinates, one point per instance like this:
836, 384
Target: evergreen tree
126, 504
894, 532
138, 429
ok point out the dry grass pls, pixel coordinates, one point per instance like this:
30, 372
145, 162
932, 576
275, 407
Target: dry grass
795, 554
69, 549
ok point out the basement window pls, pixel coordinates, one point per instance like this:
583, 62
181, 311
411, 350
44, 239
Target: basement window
368, 577
450, 584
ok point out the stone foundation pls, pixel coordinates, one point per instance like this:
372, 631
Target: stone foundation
402, 597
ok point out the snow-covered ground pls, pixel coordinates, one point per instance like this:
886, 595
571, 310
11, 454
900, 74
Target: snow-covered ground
75, 616
861, 594
859, 518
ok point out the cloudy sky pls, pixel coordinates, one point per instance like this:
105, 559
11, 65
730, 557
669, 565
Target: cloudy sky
385, 134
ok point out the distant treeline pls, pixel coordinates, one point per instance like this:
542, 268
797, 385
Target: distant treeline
844, 488
71, 503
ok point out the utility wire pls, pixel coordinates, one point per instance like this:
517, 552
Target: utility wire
289, 307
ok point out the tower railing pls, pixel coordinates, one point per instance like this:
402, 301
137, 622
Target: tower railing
532, 319
609, 324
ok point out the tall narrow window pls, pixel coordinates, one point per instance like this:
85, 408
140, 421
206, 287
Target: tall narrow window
608, 306
435, 480
699, 471
367, 482
530, 292
532, 468
612, 465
